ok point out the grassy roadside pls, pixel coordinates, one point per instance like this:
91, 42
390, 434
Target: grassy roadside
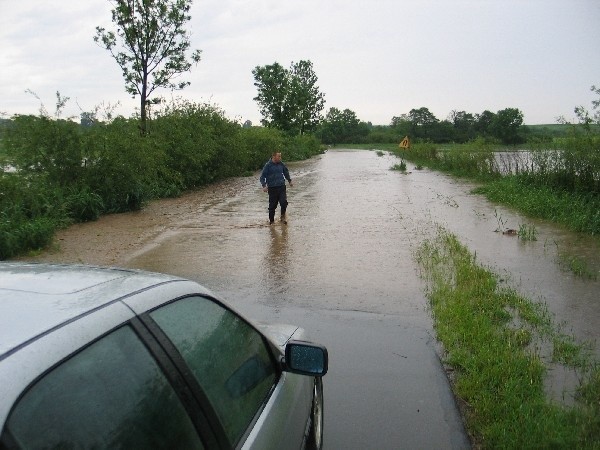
578, 212
498, 346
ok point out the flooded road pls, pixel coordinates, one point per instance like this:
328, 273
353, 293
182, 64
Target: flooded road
353, 225
343, 269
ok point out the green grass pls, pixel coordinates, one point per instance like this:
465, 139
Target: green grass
527, 232
576, 265
488, 334
401, 167
578, 212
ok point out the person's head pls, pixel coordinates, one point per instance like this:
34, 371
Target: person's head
276, 157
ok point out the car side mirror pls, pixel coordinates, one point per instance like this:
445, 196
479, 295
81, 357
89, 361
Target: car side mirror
306, 358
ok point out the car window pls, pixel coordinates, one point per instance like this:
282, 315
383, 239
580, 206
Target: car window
110, 395
227, 356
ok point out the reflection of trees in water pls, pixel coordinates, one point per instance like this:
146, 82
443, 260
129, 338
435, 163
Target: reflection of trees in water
277, 258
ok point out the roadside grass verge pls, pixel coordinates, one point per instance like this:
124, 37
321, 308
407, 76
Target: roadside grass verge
578, 212
498, 346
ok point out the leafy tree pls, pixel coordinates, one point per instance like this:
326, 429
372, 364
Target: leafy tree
401, 126
506, 125
463, 124
441, 132
342, 127
422, 122
483, 123
399, 120
289, 99
596, 104
272, 83
150, 46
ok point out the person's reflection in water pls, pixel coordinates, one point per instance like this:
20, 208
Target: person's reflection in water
276, 262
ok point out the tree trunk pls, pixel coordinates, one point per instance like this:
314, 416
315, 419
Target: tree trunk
143, 103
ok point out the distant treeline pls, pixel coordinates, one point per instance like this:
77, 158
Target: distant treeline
420, 125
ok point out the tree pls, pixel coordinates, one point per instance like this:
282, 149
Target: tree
306, 100
289, 99
272, 84
483, 122
149, 40
596, 104
401, 126
422, 122
401, 120
463, 124
506, 125
342, 127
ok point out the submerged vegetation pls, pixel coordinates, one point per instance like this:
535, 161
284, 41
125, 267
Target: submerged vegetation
498, 346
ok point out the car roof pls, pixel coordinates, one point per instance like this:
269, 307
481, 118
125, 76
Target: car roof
36, 298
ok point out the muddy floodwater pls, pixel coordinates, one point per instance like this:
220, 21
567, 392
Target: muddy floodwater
344, 269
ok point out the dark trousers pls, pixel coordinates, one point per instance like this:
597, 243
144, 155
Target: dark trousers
277, 194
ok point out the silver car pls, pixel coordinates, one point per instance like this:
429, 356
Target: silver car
110, 358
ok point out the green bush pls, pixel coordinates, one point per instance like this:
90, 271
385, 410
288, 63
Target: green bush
198, 142
301, 147
258, 145
45, 146
83, 205
121, 165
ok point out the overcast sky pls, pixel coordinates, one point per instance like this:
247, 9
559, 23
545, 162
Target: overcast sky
379, 58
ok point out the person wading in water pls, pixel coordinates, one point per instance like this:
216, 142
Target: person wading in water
272, 179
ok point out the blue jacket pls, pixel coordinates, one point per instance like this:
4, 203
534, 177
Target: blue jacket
274, 174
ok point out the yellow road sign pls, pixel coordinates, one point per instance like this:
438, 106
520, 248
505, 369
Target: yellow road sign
405, 143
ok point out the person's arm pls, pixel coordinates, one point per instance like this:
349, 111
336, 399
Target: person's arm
263, 177
286, 174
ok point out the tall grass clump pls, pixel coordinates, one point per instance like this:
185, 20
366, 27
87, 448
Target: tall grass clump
474, 159
498, 374
30, 213
579, 212
573, 165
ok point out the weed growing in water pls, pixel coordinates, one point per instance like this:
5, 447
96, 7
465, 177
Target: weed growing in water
379, 153
527, 232
576, 265
400, 167
500, 221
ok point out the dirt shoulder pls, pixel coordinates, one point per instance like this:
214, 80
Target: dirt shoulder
113, 239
